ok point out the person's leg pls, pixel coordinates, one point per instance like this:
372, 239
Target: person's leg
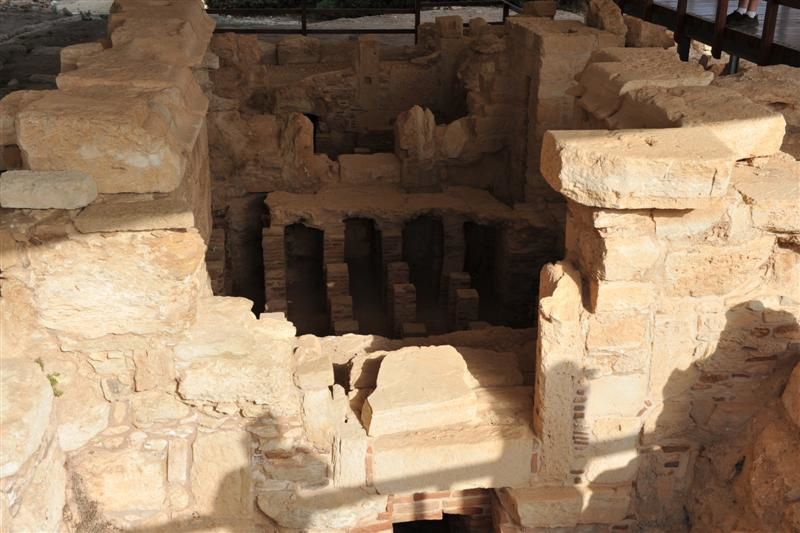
742, 9
752, 6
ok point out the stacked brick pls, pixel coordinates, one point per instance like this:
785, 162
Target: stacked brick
215, 261
272, 245
462, 300
340, 303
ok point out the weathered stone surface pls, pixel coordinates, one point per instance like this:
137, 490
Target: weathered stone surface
637, 169
643, 34
369, 169
543, 506
772, 189
25, 189
453, 458
158, 275
73, 54
41, 502
319, 418
713, 270
419, 388
322, 509
25, 407
314, 368
724, 112
791, 396
130, 214
81, 131
81, 411
605, 15
10, 106
298, 49
114, 479
153, 407
220, 473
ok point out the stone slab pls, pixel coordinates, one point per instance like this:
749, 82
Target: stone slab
27, 189
419, 388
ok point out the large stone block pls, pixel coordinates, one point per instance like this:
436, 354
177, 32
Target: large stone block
114, 479
220, 474
24, 189
454, 458
326, 509
115, 136
26, 401
419, 388
88, 286
81, 411
41, 501
771, 188
706, 270
638, 169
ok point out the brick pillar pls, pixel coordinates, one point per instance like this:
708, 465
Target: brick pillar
334, 243
273, 248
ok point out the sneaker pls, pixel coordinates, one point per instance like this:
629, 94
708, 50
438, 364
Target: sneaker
733, 18
744, 21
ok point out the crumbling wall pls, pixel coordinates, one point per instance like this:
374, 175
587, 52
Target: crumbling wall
680, 284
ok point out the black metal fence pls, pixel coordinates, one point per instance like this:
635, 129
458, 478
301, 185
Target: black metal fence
305, 13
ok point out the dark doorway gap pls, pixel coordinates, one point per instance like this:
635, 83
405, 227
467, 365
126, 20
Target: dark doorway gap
362, 252
305, 284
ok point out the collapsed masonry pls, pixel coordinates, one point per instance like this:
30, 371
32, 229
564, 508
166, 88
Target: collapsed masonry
649, 204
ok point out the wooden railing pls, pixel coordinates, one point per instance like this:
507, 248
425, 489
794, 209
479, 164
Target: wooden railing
770, 21
767, 34
306, 13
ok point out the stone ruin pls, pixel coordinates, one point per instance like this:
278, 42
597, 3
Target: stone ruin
513, 278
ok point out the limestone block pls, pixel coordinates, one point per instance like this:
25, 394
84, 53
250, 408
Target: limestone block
116, 137
643, 34
706, 270
349, 455
771, 189
81, 411
263, 378
153, 407
419, 388
635, 169
26, 401
622, 396
298, 49
158, 275
178, 460
10, 106
605, 15
161, 35
71, 55
114, 479
318, 417
25, 189
220, 474
543, 506
791, 396
41, 501
314, 368
723, 111
321, 509
155, 369
368, 169
453, 458
605, 504
112, 215
539, 8
620, 295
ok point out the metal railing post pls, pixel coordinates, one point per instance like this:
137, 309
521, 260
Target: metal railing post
417, 19
303, 19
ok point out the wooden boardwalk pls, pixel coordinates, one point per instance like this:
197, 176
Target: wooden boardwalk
700, 16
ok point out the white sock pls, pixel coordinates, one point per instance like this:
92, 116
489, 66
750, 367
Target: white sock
741, 10
751, 14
